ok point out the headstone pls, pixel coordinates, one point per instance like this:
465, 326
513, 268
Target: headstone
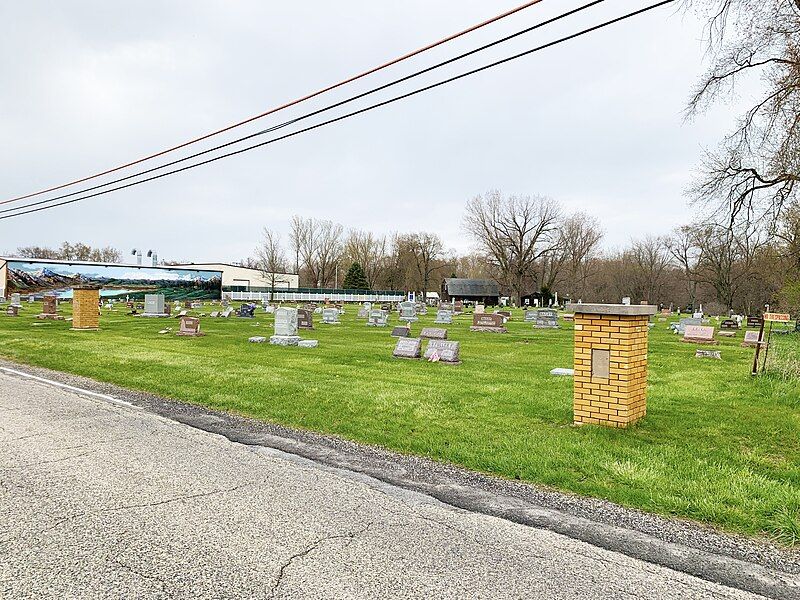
699, 334
680, 326
286, 321
257, 339
401, 331
480, 308
530, 316
15, 300
168, 310
377, 318
190, 327
754, 322
330, 316
305, 318
458, 307
214, 314
751, 339
408, 348
434, 333
179, 315
443, 351
225, 313
31, 299
626, 301
50, 309
154, 305
408, 312
505, 313
247, 311
546, 318
444, 316
729, 324
308, 343
12, 310
489, 323
363, 313
422, 308
708, 354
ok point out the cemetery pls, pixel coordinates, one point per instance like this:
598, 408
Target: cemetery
684, 430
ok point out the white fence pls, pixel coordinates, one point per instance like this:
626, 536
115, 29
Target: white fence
298, 296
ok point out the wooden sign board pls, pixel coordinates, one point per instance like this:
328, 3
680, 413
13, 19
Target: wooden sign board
777, 317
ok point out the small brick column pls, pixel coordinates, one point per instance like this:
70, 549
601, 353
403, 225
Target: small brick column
85, 311
610, 363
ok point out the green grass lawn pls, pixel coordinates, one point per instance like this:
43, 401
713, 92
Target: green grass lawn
717, 445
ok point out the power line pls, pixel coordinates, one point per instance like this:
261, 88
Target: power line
313, 113
329, 88
357, 112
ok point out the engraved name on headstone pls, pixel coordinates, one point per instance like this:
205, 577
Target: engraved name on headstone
408, 348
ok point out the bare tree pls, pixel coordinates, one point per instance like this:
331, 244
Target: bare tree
514, 233
271, 259
426, 251
76, 251
753, 175
318, 248
685, 248
368, 250
570, 263
649, 260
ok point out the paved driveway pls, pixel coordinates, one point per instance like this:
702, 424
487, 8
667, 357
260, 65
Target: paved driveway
100, 500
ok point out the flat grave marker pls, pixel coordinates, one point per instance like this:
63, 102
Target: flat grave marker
751, 339
401, 331
717, 354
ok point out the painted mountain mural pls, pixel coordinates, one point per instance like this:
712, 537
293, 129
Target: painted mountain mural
116, 280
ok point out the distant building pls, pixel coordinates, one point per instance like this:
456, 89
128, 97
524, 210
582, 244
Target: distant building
245, 279
483, 291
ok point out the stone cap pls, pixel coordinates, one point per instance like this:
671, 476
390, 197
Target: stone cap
613, 309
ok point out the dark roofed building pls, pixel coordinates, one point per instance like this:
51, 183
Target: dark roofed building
484, 291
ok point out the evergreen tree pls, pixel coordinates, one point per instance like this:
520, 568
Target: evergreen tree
355, 278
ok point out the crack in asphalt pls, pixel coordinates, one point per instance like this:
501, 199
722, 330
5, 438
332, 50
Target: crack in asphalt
45, 462
111, 509
349, 536
138, 573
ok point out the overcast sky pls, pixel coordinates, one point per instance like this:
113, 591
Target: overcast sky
595, 123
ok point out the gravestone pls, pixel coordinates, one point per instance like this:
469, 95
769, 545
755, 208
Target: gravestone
178, 316
12, 310
680, 326
546, 318
31, 299
257, 339
480, 309
505, 313
285, 328
386, 307
308, 343
50, 309
729, 324
422, 309
214, 314
561, 372
434, 333
458, 307
154, 305
401, 331
330, 316
363, 313
305, 318
15, 300
408, 312
408, 348
225, 313
708, 354
443, 351
190, 327
488, 323
444, 316
751, 339
247, 311
699, 334
377, 318
754, 322
446, 306
530, 316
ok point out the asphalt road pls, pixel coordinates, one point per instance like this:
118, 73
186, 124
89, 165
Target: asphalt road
101, 499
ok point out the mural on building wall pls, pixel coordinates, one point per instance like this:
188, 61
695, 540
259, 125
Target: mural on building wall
117, 281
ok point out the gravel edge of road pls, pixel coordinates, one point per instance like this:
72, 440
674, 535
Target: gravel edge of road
735, 561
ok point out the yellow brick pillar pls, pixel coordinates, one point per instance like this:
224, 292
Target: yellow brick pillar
85, 308
610, 363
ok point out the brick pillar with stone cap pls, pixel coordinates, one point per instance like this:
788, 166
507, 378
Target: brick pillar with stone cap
85, 307
610, 363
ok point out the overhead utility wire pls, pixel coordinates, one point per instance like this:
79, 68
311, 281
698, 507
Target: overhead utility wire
288, 104
311, 114
357, 112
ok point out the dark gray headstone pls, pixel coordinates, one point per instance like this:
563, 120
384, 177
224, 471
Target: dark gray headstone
400, 331
305, 318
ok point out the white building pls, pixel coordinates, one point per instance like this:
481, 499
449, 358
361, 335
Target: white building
244, 279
